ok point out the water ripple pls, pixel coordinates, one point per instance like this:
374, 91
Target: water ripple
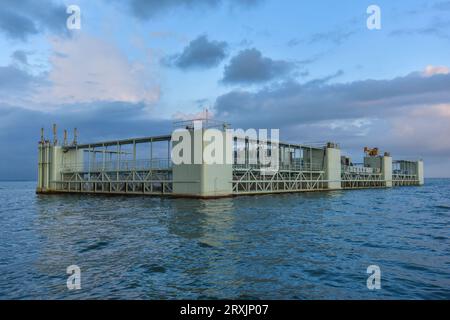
292, 246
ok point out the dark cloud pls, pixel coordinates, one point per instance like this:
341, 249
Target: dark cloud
292, 103
20, 130
293, 42
324, 80
20, 56
15, 25
20, 19
249, 66
14, 79
408, 116
17, 84
146, 9
199, 53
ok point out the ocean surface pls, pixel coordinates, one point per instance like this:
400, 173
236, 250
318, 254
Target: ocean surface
293, 246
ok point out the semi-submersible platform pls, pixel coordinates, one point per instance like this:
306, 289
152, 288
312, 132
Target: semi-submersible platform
143, 166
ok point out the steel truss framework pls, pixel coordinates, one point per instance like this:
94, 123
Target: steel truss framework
403, 179
149, 182
356, 180
245, 181
253, 181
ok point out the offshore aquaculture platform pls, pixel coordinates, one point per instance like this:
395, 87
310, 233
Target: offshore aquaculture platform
143, 166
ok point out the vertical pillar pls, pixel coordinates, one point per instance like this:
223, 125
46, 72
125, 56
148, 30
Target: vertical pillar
118, 159
40, 183
333, 167
420, 173
56, 166
50, 160
103, 157
386, 170
47, 167
89, 162
151, 154
168, 153
203, 180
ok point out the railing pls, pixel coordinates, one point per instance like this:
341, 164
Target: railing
206, 124
123, 165
403, 172
360, 169
280, 167
404, 176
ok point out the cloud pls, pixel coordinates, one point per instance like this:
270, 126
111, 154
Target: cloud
85, 69
433, 70
82, 69
147, 9
14, 79
199, 53
337, 36
324, 80
21, 19
17, 85
99, 121
20, 56
438, 27
250, 66
408, 115
422, 131
292, 102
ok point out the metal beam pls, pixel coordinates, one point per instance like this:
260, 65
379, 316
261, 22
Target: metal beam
122, 142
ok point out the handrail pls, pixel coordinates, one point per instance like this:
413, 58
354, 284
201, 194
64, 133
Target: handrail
287, 167
360, 169
115, 165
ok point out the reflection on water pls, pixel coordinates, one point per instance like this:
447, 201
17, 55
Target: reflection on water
293, 246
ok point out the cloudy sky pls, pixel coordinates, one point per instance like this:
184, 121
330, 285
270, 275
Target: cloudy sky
310, 68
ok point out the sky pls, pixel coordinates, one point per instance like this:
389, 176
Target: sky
312, 69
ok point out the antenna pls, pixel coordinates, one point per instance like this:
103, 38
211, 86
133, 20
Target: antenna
65, 137
42, 135
55, 138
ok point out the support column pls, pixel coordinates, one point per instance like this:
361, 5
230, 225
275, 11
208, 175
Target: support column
40, 181
50, 167
386, 170
201, 180
420, 174
56, 166
333, 167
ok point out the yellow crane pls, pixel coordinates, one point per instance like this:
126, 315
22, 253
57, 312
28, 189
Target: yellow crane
371, 152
